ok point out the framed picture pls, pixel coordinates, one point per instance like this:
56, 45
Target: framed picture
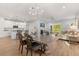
42, 25
56, 27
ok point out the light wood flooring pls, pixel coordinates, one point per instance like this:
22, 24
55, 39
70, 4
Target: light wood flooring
9, 47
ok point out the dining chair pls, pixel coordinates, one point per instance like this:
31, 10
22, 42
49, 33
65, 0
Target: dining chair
43, 49
34, 46
21, 42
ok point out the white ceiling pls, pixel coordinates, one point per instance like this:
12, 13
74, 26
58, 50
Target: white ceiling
51, 10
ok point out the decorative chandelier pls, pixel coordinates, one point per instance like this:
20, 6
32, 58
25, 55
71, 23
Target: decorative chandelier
35, 11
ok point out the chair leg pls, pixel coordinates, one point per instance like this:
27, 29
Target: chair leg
40, 54
22, 49
19, 46
31, 52
27, 52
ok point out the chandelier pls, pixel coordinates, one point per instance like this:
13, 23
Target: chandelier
35, 11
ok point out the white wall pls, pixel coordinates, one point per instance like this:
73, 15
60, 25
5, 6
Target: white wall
65, 24
9, 24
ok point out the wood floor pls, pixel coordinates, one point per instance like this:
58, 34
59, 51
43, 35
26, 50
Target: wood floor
9, 47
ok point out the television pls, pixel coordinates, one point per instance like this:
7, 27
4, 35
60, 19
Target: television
15, 26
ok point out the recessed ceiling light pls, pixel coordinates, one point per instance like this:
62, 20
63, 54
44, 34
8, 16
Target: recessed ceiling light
63, 6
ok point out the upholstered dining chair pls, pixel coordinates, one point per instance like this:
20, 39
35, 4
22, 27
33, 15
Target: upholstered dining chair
34, 46
21, 42
43, 49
